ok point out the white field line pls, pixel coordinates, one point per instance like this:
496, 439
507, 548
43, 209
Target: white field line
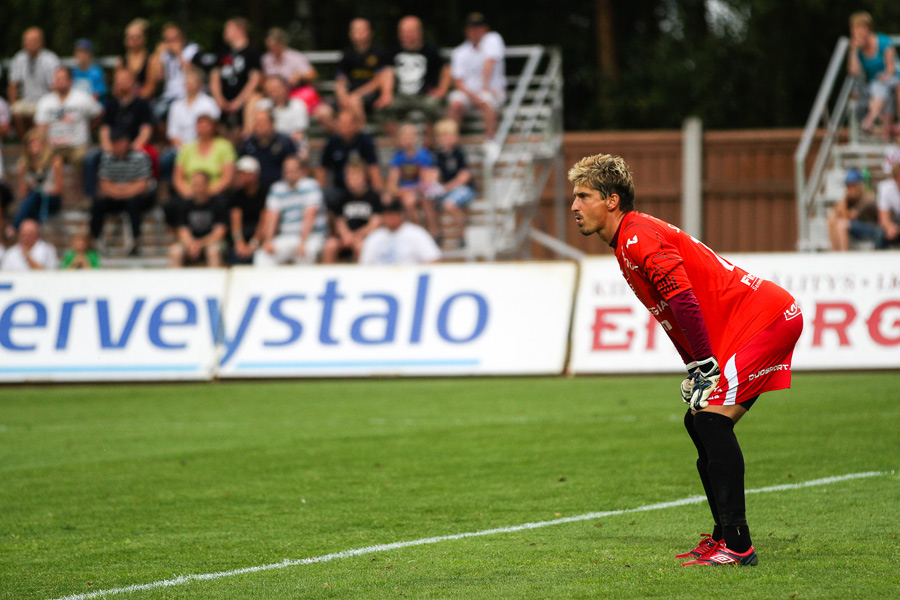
182, 579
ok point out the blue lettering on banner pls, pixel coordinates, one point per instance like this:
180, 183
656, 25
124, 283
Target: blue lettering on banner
8, 323
377, 317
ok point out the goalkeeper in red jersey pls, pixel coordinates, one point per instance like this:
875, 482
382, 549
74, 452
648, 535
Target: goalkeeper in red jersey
735, 332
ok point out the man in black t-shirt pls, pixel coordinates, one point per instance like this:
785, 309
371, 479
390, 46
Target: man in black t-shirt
237, 74
421, 76
363, 82
356, 213
246, 203
348, 143
202, 227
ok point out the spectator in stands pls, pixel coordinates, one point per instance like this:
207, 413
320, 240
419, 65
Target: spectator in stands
202, 227
31, 253
363, 83
888, 198
357, 213
420, 74
236, 76
87, 75
124, 110
246, 203
125, 184
65, 115
411, 171
169, 64
398, 242
290, 115
453, 190
267, 146
6, 196
294, 221
211, 154
479, 76
136, 59
40, 176
181, 127
346, 143
81, 255
873, 57
298, 73
30, 77
854, 216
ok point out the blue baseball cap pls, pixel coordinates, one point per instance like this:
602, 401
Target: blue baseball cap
84, 44
853, 176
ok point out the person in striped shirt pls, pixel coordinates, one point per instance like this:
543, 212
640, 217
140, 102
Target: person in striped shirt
294, 220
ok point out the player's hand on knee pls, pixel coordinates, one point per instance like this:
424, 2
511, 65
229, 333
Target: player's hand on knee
702, 380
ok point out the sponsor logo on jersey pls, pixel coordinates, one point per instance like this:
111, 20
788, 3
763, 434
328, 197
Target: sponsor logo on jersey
752, 281
767, 370
791, 312
631, 241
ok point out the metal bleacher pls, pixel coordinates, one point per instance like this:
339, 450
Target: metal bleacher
834, 123
510, 172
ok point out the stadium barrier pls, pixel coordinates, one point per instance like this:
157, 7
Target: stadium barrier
445, 319
448, 319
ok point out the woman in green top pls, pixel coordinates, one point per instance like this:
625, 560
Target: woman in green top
209, 153
81, 256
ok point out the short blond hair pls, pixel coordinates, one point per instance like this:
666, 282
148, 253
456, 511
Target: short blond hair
861, 18
608, 174
446, 126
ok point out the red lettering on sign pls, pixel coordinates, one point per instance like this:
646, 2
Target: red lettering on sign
652, 326
838, 323
875, 328
601, 325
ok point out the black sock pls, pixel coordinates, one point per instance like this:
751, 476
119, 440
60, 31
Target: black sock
703, 471
725, 468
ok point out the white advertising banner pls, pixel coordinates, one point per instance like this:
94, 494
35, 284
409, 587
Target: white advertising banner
850, 304
108, 325
445, 319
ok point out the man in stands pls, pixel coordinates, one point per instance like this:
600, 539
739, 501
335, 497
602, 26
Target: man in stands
66, 115
888, 199
398, 242
202, 227
294, 221
357, 213
362, 83
479, 75
30, 77
348, 142
31, 253
246, 203
267, 146
711, 310
420, 74
126, 184
237, 74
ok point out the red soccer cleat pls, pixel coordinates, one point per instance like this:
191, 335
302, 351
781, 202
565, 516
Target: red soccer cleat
721, 555
707, 544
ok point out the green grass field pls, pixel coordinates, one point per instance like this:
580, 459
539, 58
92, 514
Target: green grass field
105, 487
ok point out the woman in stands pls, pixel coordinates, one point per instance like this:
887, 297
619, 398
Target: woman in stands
136, 58
873, 57
40, 176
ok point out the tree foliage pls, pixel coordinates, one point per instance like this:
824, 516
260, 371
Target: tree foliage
672, 60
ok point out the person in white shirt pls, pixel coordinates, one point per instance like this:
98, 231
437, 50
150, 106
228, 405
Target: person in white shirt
66, 116
294, 220
30, 77
398, 242
31, 253
290, 116
181, 125
479, 74
888, 200
169, 64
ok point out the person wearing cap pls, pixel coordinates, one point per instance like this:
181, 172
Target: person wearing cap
479, 74
87, 75
246, 202
66, 115
854, 216
398, 242
125, 184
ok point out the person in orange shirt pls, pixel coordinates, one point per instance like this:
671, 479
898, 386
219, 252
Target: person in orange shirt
712, 311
